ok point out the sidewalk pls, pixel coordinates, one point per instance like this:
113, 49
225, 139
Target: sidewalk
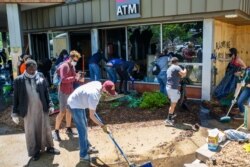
139, 142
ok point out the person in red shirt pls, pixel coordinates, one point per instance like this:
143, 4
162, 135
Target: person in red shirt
68, 76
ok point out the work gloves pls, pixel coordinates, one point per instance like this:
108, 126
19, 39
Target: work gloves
16, 120
234, 101
105, 129
51, 110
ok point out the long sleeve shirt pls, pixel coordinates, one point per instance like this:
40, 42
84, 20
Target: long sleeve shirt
96, 58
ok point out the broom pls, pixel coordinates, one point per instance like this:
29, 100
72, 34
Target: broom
226, 118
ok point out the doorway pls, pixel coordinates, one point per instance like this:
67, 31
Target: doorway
81, 42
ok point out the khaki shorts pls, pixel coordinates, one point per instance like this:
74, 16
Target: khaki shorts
173, 94
62, 101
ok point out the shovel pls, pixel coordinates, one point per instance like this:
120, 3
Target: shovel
147, 164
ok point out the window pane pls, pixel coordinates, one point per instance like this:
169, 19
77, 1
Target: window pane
143, 45
113, 42
184, 40
194, 74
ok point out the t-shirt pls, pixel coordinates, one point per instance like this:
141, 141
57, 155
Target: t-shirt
173, 76
86, 96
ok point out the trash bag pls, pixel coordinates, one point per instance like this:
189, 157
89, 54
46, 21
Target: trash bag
227, 84
235, 135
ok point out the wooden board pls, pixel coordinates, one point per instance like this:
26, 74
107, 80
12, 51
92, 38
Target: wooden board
112, 98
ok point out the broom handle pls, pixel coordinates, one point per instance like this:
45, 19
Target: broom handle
234, 101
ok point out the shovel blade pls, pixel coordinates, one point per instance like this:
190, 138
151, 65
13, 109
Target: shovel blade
147, 164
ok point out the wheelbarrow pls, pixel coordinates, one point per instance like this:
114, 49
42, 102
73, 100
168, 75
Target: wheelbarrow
130, 164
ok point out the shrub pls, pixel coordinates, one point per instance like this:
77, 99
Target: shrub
153, 100
115, 104
132, 100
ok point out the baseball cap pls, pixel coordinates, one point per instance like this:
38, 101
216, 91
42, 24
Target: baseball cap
109, 86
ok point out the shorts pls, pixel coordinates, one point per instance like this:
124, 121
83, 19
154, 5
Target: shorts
173, 94
62, 101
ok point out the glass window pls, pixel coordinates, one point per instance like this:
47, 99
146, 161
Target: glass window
113, 43
57, 42
143, 45
184, 41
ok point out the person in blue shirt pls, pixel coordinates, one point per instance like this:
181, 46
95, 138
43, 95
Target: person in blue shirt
110, 68
94, 69
162, 61
124, 71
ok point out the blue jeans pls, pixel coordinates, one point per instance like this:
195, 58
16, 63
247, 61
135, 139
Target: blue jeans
244, 96
111, 74
79, 117
95, 72
162, 79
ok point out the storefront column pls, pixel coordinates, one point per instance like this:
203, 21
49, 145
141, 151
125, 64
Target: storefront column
15, 33
208, 39
94, 40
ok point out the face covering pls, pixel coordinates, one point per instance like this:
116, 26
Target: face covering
73, 63
29, 75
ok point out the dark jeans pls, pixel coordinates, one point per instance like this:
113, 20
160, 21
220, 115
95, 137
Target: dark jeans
244, 96
124, 77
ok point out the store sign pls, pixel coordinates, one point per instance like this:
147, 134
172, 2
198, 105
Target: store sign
126, 9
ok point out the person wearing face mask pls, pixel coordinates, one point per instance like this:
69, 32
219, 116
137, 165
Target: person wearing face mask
32, 102
68, 76
233, 71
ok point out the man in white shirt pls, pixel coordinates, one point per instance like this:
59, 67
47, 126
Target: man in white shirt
88, 96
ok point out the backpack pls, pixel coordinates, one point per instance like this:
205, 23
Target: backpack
56, 77
156, 69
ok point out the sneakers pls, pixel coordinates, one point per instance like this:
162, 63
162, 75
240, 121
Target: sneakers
169, 122
87, 159
239, 116
52, 150
92, 150
69, 131
173, 116
36, 156
56, 136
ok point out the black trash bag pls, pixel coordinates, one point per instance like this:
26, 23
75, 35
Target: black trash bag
228, 83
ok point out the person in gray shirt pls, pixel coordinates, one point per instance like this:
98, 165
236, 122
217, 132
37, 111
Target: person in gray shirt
174, 74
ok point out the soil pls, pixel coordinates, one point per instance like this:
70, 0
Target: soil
123, 114
140, 132
123, 120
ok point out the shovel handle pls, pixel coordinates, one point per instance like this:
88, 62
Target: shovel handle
116, 144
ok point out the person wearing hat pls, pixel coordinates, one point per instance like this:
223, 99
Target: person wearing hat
84, 97
174, 74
